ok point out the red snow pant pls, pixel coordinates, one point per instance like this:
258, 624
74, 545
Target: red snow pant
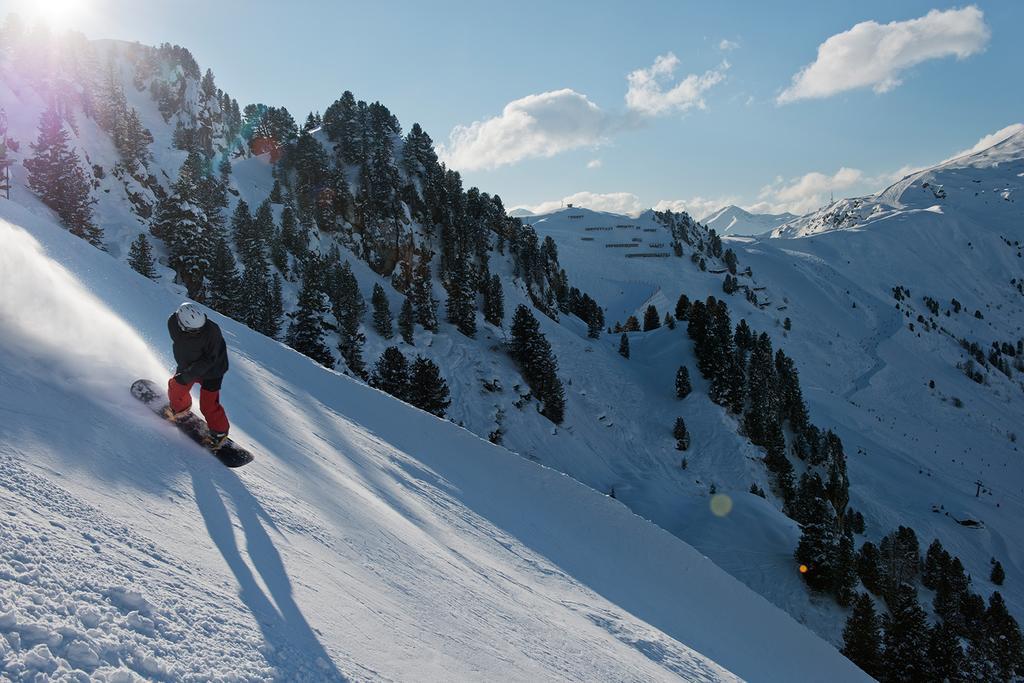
209, 401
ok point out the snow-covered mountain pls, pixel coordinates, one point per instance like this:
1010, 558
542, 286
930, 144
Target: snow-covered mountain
865, 362
732, 220
982, 187
368, 541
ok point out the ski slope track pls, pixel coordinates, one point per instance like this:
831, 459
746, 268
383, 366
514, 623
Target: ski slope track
369, 541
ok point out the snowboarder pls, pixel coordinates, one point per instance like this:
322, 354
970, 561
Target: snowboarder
202, 356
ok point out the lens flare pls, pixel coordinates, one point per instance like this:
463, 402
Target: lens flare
57, 14
721, 504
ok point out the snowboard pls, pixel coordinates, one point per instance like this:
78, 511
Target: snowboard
155, 397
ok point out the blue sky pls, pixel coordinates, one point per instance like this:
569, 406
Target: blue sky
706, 122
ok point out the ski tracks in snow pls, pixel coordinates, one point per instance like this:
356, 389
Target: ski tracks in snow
92, 610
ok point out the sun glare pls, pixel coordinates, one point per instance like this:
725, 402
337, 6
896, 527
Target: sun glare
57, 14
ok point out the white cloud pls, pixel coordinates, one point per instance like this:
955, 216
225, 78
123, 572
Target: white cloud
697, 207
804, 193
990, 139
614, 202
534, 126
727, 45
595, 163
646, 94
873, 54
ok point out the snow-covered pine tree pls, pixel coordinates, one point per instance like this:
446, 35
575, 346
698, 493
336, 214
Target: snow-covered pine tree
255, 295
55, 174
407, 322
243, 230
306, 333
381, 312
391, 373
494, 301
273, 316
140, 257
683, 386
423, 294
349, 307
185, 227
682, 436
862, 637
427, 388
531, 350
905, 638
624, 345
682, 307
998, 574
461, 308
652, 319
900, 560
224, 285
944, 654
869, 567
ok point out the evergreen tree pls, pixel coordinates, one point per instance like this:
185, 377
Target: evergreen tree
632, 324
951, 595
244, 233
391, 373
624, 345
224, 289
862, 638
427, 389
669, 321
762, 383
274, 314
532, 351
1001, 642
900, 560
185, 227
844, 578
683, 387
936, 563
682, 436
423, 295
944, 654
140, 257
998, 575
306, 334
869, 567
682, 307
818, 539
461, 306
381, 312
494, 301
652, 320
349, 308
407, 322
55, 174
255, 296
905, 638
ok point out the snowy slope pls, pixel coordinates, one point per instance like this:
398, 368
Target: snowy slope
914, 455
732, 220
982, 186
368, 541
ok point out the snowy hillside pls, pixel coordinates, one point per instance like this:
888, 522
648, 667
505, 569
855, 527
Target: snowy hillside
983, 186
732, 220
368, 540
258, 216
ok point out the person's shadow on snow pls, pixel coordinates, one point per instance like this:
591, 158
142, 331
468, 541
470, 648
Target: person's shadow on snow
296, 652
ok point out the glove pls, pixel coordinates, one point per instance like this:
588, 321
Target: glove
182, 379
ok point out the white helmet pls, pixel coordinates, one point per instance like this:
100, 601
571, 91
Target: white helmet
190, 317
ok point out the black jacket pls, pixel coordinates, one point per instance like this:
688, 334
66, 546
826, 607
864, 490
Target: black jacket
200, 355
